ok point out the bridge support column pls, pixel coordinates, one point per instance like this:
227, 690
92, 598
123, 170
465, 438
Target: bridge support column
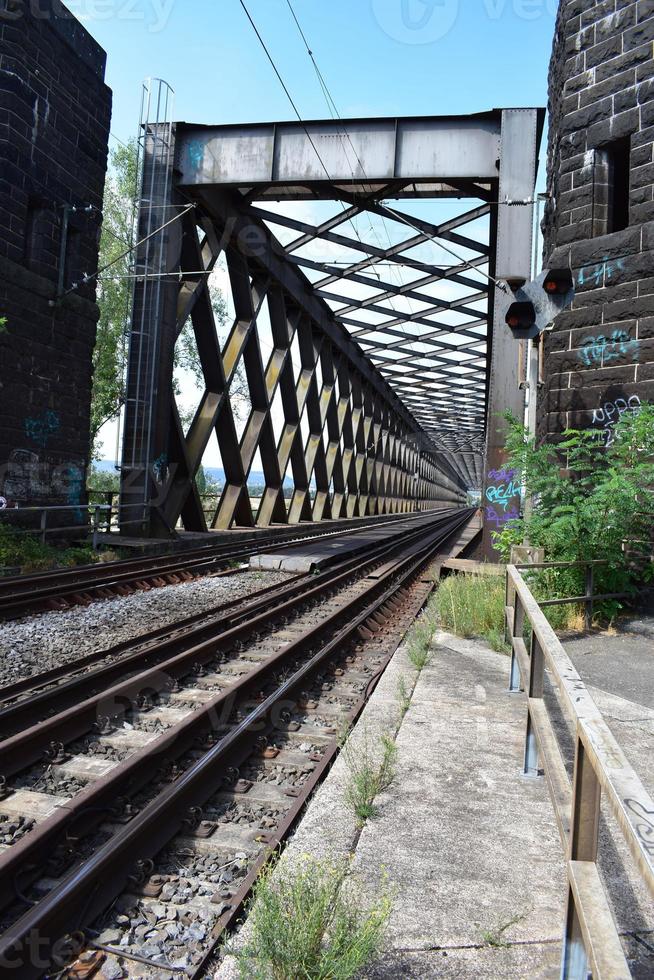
513, 261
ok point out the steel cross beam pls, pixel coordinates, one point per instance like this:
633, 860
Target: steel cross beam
376, 395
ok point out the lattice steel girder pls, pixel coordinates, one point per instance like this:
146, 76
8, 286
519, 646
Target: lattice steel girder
360, 444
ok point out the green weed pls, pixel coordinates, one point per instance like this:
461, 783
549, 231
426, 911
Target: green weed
306, 926
371, 771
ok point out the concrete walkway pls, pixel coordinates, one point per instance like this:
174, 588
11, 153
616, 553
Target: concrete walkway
464, 842
467, 841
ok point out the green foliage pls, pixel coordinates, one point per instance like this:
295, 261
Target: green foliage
589, 502
114, 292
3, 325
371, 771
495, 937
473, 605
19, 549
106, 481
305, 925
114, 301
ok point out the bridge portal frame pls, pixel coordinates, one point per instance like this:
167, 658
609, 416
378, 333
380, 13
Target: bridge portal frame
365, 451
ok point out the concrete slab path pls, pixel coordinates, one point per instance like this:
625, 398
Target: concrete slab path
466, 844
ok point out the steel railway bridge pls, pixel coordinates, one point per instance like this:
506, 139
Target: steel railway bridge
364, 264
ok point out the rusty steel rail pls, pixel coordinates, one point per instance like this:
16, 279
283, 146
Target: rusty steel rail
57, 589
86, 890
70, 710
591, 939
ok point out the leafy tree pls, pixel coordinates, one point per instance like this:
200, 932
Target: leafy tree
114, 301
114, 290
600, 506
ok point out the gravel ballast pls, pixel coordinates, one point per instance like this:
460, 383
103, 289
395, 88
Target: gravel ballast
38, 643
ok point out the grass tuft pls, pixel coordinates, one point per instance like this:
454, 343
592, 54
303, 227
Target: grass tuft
403, 696
473, 605
495, 937
371, 771
419, 639
305, 926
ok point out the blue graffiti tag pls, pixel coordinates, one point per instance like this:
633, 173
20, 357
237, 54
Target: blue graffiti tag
40, 429
598, 274
603, 350
503, 494
196, 154
160, 467
74, 491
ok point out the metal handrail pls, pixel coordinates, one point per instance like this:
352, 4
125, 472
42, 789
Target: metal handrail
591, 938
589, 598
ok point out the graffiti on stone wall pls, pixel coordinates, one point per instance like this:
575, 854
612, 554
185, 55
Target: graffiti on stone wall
600, 273
609, 413
26, 476
39, 430
503, 494
602, 349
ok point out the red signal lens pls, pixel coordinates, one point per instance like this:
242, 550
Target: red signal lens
558, 282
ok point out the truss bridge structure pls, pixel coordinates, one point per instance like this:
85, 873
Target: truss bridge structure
342, 284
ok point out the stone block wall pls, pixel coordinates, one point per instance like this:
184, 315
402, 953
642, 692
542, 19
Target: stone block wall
599, 219
55, 112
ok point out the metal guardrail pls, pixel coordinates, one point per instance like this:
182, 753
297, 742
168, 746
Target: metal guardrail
591, 939
100, 520
11, 513
588, 598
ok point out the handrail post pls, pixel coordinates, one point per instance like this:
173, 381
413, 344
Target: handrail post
96, 519
574, 964
44, 525
586, 796
584, 838
588, 605
535, 690
515, 684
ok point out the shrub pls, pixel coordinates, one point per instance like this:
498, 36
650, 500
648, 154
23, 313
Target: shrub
600, 507
25, 551
306, 926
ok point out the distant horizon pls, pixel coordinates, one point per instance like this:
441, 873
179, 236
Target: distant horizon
256, 477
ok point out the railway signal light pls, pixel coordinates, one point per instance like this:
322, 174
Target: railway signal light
558, 282
539, 302
521, 320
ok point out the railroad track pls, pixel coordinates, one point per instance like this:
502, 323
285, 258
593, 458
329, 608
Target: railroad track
62, 588
162, 779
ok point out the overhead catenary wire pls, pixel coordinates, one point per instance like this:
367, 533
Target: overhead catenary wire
409, 340
87, 279
397, 214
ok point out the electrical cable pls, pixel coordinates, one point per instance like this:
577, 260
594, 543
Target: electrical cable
87, 279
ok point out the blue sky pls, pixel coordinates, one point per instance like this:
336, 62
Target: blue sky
380, 57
